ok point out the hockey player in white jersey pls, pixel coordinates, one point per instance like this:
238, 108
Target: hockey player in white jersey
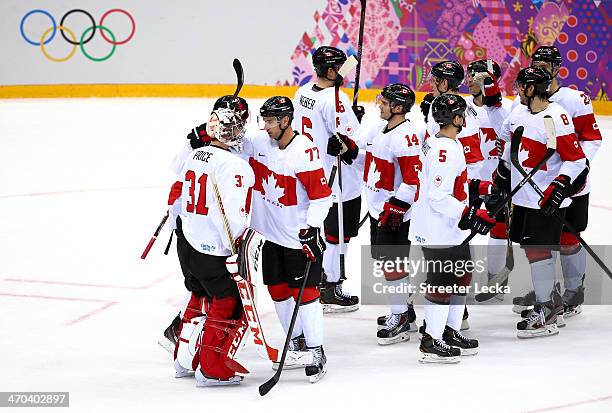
492, 148
291, 199
533, 225
578, 105
441, 220
318, 118
391, 164
197, 137
203, 247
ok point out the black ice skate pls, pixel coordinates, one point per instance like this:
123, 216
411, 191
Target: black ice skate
170, 336
298, 355
334, 300
541, 322
437, 351
465, 325
572, 302
382, 320
467, 346
395, 330
317, 369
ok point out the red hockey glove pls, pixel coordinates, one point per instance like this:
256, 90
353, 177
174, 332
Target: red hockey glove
478, 187
392, 215
198, 137
492, 94
476, 219
175, 192
312, 243
554, 195
340, 144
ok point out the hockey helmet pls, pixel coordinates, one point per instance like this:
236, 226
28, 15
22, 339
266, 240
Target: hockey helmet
480, 66
325, 57
445, 107
237, 104
399, 93
536, 76
549, 54
451, 71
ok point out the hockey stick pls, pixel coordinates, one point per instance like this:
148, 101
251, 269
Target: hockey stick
359, 53
239, 76
169, 243
514, 148
550, 130
244, 288
154, 237
267, 386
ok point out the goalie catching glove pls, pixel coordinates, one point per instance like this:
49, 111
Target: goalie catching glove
312, 243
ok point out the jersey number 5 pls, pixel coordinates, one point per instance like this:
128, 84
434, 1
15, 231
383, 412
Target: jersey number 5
200, 208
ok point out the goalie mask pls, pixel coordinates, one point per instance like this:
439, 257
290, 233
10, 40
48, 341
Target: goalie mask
228, 127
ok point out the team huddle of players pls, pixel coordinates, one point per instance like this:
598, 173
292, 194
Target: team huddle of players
422, 186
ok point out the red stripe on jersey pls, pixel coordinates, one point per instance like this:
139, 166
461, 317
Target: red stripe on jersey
459, 191
263, 177
410, 167
471, 148
385, 168
568, 148
175, 192
247, 204
586, 128
535, 152
489, 134
315, 183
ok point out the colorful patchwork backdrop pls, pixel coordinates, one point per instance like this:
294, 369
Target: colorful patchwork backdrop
404, 38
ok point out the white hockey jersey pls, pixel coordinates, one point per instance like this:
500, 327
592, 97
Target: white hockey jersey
442, 196
391, 165
578, 105
200, 214
568, 159
315, 118
290, 191
469, 138
488, 137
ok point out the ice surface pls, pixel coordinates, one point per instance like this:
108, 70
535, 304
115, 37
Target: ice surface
84, 183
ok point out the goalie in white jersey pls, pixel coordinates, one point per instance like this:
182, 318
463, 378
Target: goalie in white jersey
318, 118
291, 199
203, 246
533, 225
441, 218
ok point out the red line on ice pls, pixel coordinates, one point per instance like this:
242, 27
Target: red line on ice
128, 287
563, 406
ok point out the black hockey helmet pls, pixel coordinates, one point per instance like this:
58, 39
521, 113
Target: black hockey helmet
548, 54
237, 104
535, 76
277, 106
399, 93
479, 66
445, 107
450, 70
325, 57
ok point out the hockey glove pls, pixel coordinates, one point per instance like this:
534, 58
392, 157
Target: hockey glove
312, 243
340, 144
476, 219
175, 192
492, 201
359, 111
492, 94
554, 195
426, 104
198, 137
392, 215
501, 176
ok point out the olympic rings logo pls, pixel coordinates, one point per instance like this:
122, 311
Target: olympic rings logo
85, 38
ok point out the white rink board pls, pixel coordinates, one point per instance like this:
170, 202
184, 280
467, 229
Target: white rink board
84, 184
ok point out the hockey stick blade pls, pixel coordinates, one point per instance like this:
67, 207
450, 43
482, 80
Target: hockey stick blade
239, 76
549, 125
349, 65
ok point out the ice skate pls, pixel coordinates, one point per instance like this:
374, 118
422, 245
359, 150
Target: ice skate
335, 300
180, 371
437, 351
203, 381
468, 346
298, 355
170, 336
317, 369
396, 329
382, 320
465, 325
572, 302
541, 322
494, 281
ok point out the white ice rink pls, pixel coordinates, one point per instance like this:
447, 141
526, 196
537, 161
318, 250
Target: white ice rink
84, 183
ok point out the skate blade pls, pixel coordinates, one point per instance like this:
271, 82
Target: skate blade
295, 360
181, 374
202, 381
166, 345
549, 330
560, 321
520, 308
573, 312
397, 339
336, 309
412, 327
316, 377
468, 351
435, 359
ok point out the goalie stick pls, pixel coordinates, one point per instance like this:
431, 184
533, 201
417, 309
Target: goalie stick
550, 131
